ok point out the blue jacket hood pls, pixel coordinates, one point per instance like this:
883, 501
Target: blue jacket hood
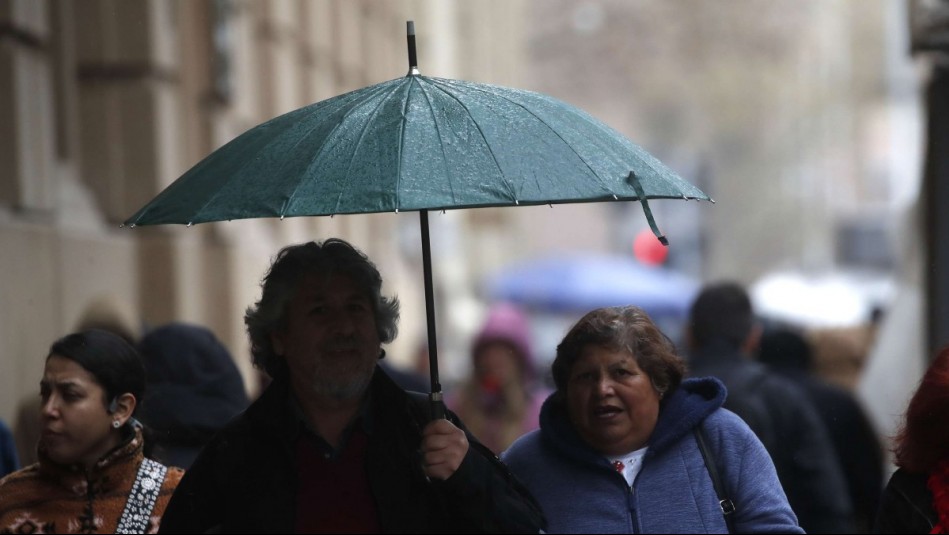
679, 413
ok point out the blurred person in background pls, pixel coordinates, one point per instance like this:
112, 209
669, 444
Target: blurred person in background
839, 354
723, 336
500, 401
623, 441
859, 452
194, 389
92, 475
105, 313
916, 498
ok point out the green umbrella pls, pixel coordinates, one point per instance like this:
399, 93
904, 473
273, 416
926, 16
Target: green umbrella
417, 144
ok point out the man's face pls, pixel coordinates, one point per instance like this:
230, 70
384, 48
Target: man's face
330, 341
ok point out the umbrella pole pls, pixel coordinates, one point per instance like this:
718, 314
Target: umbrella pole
435, 397
438, 405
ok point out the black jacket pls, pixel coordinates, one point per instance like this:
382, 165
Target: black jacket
855, 441
245, 479
906, 505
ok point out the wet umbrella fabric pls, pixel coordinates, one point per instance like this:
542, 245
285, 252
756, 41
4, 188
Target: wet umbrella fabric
416, 143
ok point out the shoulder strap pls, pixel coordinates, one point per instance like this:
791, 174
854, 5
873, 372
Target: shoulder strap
142, 498
728, 506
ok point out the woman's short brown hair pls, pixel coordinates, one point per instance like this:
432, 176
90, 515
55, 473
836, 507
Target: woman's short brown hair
626, 328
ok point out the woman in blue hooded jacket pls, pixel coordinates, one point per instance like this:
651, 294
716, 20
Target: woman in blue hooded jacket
618, 449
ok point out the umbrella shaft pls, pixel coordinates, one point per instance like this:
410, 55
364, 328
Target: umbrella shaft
429, 301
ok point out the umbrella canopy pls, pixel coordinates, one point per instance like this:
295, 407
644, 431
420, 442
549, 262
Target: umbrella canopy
582, 282
417, 143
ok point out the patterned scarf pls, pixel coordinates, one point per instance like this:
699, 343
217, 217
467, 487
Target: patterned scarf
51, 498
938, 484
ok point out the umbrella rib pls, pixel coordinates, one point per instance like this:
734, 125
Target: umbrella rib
283, 211
398, 188
510, 186
293, 194
362, 136
441, 143
220, 191
553, 130
325, 142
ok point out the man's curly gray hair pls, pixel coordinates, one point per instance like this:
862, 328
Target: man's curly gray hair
282, 282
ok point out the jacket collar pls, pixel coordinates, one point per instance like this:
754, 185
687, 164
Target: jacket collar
112, 471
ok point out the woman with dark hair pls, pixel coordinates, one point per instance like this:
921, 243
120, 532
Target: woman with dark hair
916, 499
626, 445
92, 476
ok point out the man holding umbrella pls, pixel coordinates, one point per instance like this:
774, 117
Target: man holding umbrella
333, 445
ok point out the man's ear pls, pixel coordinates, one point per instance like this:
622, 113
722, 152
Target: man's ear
122, 407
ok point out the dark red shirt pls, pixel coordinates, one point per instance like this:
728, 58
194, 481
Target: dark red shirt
333, 494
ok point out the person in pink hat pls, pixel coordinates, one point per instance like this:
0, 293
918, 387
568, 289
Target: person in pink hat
500, 401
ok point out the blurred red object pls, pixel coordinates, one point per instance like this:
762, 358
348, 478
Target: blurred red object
648, 250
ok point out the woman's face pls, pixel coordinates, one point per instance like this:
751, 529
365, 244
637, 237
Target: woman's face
77, 427
611, 402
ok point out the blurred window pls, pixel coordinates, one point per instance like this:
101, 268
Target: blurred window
864, 244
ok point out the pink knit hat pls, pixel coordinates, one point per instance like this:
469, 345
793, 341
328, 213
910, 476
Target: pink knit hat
507, 323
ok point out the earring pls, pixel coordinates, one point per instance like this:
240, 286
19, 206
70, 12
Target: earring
116, 424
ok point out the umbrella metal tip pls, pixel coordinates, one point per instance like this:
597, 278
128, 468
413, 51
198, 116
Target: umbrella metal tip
410, 27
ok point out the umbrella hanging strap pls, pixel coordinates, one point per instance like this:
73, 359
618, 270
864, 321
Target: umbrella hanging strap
634, 182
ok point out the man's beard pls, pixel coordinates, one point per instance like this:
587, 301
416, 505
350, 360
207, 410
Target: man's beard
342, 381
